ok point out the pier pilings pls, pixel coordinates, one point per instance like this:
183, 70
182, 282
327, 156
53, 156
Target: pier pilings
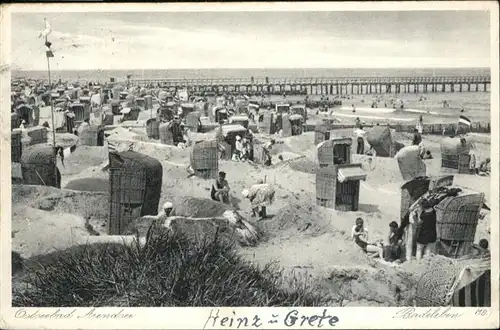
326, 86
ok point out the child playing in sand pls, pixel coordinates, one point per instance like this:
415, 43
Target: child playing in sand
392, 244
359, 235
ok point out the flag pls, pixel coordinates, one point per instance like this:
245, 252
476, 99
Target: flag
48, 51
464, 120
46, 31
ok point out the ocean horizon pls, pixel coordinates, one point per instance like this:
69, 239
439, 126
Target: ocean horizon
247, 73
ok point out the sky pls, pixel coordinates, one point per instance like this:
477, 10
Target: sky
197, 40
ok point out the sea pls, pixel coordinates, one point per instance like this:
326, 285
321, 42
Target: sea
477, 104
104, 75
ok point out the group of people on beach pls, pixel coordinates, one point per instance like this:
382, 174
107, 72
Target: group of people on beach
392, 249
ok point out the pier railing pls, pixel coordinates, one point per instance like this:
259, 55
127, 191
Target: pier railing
326, 85
317, 80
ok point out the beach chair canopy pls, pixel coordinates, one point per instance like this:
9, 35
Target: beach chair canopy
187, 106
351, 172
295, 117
227, 129
298, 107
239, 118
453, 146
24, 108
76, 105
218, 108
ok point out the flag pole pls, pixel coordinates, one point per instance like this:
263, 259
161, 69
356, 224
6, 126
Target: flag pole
52, 117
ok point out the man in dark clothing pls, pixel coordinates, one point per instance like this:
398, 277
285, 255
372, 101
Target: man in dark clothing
426, 232
417, 138
70, 121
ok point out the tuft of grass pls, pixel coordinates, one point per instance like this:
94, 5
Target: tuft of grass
168, 271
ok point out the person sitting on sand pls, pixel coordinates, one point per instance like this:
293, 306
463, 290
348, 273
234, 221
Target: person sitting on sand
220, 189
359, 235
485, 167
427, 155
167, 208
393, 243
483, 244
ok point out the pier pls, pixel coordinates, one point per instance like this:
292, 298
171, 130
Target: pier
326, 86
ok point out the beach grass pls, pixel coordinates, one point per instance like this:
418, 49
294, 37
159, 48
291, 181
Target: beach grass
168, 271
